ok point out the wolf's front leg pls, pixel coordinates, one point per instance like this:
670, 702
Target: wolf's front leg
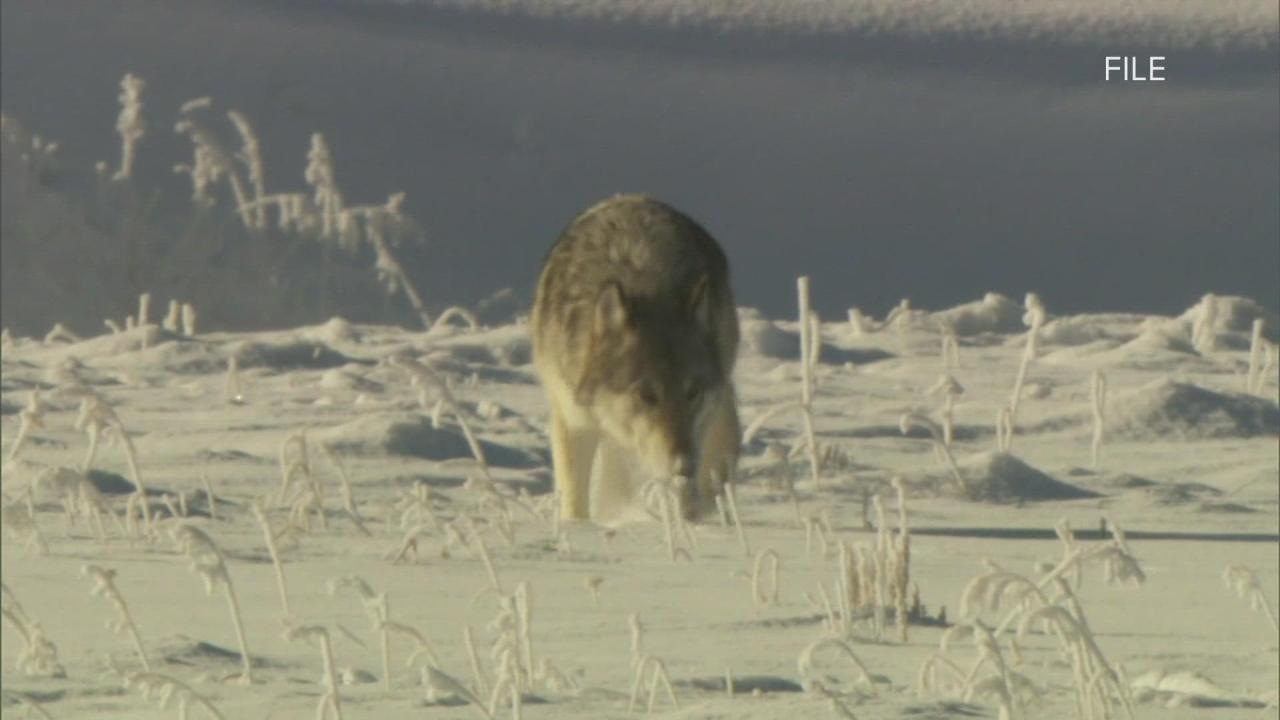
572, 449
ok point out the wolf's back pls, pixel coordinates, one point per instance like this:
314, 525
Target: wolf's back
655, 253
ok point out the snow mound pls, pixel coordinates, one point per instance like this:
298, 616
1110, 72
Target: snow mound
761, 336
994, 313
1168, 410
1234, 314
998, 477
1075, 330
413, 435
296, 354
1190, 689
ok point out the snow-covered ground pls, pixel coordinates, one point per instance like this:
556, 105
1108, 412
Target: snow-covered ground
1188, 469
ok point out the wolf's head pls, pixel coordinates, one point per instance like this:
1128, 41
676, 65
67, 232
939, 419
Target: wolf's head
654, 375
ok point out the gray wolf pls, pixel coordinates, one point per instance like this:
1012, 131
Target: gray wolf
635, 334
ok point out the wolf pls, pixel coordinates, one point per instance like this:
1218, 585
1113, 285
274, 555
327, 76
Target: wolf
635, 334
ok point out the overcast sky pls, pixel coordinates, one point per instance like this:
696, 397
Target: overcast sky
896, 163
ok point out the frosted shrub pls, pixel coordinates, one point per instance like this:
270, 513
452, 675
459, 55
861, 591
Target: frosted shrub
168, 690
1049, 603
318, 636
39, 656
208, 561
130, 123
1245, 584
104, 586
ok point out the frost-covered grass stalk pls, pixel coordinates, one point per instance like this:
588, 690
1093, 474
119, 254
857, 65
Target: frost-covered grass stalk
98, 419
130, 123
424, 379
1257, 369
810, 344
29, 418
173, 318
1004, 429
1245, 583
144, 310
188, 320
232, 391
105, 586
378, 608
950, 350
318, 636
914, 419
270, 536
949, 389
166, 689
901, 563
1099, 686
805, 663
348, 498
658, 675
731, 499
212, 162
757, 574
1034, 318
39, 656
208, 561
1098, 393
251, 155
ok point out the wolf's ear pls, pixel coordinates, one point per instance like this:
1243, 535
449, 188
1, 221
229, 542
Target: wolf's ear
611, 309
699, 303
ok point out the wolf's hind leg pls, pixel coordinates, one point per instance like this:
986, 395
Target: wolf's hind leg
719, 451
572, 450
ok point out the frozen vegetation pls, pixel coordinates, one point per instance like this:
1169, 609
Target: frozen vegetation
351, 520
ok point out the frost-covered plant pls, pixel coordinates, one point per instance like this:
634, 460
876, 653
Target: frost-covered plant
212, 162
29, 418
209, 562
1245, 584
1258, 367
810, 346
98, 420
915, 419
130, 123
427, 380
104, 586
270, 536
60, 333
1203, 334
1099, 686
20, 524
168, 690
662, 497
173, 317
440, 685
348, 498
188, 320
950, 390
318, 636
1034, 319
806, 662
39, 656
251, 155
377, 607
950, 349
757, 574
658, 675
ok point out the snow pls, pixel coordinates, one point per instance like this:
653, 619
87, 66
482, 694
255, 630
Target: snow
1189, 457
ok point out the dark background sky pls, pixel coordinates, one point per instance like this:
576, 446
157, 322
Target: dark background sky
935, 167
